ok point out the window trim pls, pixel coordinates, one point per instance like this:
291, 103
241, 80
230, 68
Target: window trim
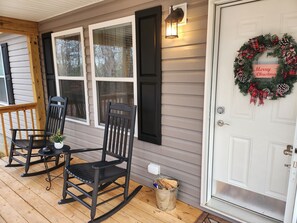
79, 31
4, 78
123, 20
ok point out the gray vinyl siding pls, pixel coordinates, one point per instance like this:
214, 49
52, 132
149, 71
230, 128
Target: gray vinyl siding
21, 77
183, 65
20, 67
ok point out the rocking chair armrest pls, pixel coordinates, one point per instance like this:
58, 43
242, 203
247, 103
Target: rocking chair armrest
82, 150
110, 164
28, 130
37, 135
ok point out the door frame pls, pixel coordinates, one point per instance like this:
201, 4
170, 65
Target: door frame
213, 33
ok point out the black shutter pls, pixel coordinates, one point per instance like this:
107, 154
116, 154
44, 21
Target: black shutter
148, 44
7, 71
49, 64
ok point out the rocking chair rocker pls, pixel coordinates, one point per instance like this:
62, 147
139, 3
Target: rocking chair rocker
28, 148
117, 147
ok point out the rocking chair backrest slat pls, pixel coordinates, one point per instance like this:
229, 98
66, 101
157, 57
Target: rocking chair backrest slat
56, 113
121, 146
111, 121
126, 127
118, 132
114, 135
118, 136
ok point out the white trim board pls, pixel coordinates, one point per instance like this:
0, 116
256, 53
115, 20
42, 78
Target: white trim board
124, 20
68, 32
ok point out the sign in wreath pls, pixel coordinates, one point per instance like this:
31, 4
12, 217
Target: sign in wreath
266, 81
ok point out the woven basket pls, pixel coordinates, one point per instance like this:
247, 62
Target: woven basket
166, 199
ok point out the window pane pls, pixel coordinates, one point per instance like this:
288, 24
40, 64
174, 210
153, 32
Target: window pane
75, 92
120, 92
113, 51
3, 94
69, 55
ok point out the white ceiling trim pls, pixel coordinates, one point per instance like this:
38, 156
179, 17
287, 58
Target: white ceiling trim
39, 10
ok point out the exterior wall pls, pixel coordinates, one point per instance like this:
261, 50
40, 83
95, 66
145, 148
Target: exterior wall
21, 78
183, 65
20, 67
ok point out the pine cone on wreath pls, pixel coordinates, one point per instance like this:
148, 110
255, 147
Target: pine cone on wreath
282, 89
284, 41
241, 77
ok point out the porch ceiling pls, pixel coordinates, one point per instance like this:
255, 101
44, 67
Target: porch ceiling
39, 10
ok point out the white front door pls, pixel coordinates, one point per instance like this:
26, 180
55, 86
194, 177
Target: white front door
250, 169
291, 205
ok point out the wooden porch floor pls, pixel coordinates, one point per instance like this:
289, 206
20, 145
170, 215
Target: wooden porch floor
25, 199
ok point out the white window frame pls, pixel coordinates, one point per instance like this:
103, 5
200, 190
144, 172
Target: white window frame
79, 31
3, 102
124, 20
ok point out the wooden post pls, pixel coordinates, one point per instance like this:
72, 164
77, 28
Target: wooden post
4, 135
36, 77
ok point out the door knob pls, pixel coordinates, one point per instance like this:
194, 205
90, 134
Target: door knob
289, 150
221, 123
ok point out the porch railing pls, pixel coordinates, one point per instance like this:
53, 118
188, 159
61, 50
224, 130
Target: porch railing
16, 116
116, 98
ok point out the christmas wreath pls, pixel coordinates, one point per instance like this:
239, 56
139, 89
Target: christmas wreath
266, 88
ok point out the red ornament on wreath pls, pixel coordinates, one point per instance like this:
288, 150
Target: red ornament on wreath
270, 85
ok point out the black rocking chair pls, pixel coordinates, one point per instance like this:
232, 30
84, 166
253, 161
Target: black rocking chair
22, 150
117, 147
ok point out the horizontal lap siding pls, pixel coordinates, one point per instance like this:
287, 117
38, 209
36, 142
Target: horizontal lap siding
21, 76
20, 67
183, 65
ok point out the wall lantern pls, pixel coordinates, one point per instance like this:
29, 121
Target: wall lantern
171, 22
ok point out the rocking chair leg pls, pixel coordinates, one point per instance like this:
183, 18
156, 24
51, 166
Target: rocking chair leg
126, 190
12, 147
66, 177
10, 154
94, 195
28, 159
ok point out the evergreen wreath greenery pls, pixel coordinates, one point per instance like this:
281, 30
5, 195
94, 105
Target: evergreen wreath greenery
271, 88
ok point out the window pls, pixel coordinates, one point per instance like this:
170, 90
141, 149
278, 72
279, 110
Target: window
69, 63
3, 88
113, 62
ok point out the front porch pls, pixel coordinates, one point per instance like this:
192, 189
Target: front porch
25, 199
179, 155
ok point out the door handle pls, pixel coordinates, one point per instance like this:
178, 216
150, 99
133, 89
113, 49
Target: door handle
289, 150
289, 165
222, 123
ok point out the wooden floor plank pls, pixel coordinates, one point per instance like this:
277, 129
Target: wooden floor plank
40, 183
23, 207
8, 213
149, 212
2, 220
184, 212
67, 209
141, 209
42, 206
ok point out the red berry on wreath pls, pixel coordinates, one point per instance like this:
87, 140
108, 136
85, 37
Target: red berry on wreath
292, 72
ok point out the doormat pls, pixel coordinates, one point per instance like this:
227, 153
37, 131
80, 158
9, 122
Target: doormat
209, 218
